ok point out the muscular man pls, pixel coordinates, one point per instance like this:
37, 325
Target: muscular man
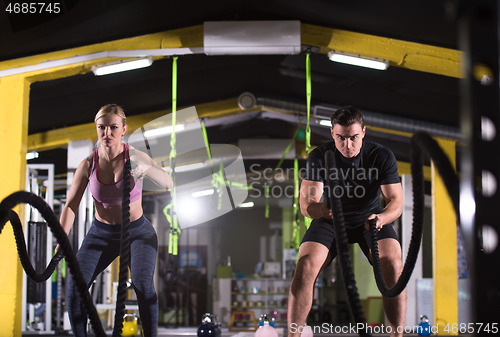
364, 169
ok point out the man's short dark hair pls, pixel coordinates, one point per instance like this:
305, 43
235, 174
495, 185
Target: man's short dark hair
347, 116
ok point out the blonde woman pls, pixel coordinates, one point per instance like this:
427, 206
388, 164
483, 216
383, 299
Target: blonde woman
103, 171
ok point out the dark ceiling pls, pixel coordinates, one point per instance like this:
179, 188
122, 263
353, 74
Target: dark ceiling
201, 79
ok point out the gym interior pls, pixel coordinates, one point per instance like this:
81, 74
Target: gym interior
231, 99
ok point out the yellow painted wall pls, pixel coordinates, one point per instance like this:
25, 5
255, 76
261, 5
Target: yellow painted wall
444, 230
14, 103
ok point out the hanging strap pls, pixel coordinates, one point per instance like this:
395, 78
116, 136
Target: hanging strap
169, 210
173, 241
308, 98
296, 224
278, 166
175, 231
173, 154
173, 151
207, 145
218, 178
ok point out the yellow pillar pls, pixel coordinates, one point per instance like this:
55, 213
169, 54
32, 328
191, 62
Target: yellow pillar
444, 251
14, 103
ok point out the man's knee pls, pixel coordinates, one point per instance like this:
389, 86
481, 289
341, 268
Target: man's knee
307, 264
307, 268
389, 249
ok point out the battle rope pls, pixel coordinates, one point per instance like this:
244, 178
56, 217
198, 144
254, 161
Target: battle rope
23, 255
423, 141
124, 252
343, 246
417, 171
420, 142
6, 214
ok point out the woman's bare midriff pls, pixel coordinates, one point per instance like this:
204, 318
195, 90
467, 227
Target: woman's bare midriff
113, 214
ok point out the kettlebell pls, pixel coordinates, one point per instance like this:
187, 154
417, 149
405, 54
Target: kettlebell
424, 328
210, 326
129, 326
216, 324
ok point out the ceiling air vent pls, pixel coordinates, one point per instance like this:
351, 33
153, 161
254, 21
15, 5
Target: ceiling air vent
251, 37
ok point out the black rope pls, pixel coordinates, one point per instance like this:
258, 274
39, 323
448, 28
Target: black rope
428, 145
124, 252
23, 252
343, 245
6, 214
420, 142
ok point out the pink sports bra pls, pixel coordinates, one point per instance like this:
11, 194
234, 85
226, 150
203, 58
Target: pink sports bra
111, 194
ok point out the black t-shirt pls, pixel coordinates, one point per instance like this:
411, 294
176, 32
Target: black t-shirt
360, 178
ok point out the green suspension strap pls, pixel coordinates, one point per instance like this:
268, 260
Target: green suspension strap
277, 167
308, 128
308, 98
307, 221
173, 151
173, 240
215, 177
296, 223
219, 182
207, 145
175, 231
169, 210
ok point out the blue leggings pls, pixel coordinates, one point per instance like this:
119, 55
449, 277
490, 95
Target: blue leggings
99, 248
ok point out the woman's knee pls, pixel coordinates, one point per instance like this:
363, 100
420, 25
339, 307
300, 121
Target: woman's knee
144, 287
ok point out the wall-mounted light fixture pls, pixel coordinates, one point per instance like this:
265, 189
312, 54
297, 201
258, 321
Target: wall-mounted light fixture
116, 67
358, 60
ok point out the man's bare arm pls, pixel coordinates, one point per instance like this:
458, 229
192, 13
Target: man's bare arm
310, 204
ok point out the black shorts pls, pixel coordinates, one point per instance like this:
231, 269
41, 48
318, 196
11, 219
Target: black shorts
321, 231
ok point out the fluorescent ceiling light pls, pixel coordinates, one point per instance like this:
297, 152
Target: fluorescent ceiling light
357, 60
163, 131
202, 193
112, 68
32, 155
246, 204
188, 167
325, 122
